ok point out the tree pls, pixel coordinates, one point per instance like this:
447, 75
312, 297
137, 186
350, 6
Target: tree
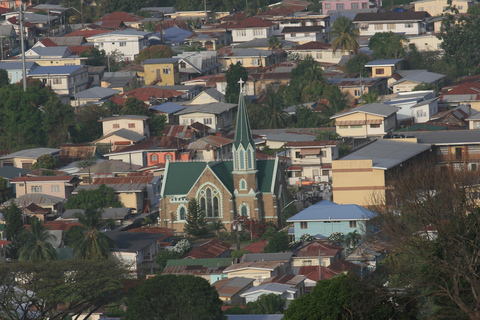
369, 97
45, 162
306, 82
234, 74
87, 239
357, 64
154, 52
14, 228
171, 297
424, 86
344, 297
346, 35
274, 107
35, 245
269, 304
44, 289
274, 43
157, 123
337, 101
134, 106
217, 226
388, 45
306, 118
4, 190
196, 223
352, 239
96, 57
102, 197
278, 242
58, 117
4, 80
435, 232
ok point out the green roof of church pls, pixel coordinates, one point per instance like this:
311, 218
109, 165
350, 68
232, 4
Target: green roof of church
181, 176
243, 135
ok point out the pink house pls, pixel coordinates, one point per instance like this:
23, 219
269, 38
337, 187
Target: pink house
58, 186
345, 5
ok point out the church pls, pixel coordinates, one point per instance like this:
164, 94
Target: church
226, 189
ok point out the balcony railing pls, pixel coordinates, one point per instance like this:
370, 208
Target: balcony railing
464, 157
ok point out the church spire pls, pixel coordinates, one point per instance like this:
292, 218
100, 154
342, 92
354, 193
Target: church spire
243, 135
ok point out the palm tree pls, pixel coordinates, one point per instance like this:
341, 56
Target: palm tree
352, 239
346, 36
35, 245
337, 101
274, 43
87, 240
276, 117
270, 304
217, 226
370, 97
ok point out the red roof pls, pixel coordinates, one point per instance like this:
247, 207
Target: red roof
312, 249
78, 49
256, 247
343, 265
311, 272
13, 20
60, 225
4, 243
43, 178
121, 16
210, 249
86, 33
246, 24
146, 93
471, 88
48, 43
313, 45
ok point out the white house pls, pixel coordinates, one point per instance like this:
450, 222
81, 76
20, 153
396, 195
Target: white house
411, 105
128, 42
422, 111
303, 34
64, 80
408, 22
217, 115
133, 123
319, 51
196, 64
248, 29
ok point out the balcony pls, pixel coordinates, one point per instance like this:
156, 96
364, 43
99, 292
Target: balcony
459, 157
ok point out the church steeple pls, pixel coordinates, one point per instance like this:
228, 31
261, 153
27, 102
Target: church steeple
243, 144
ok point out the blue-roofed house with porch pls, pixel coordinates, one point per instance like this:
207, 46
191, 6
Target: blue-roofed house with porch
327, 217
14, 69
168, 109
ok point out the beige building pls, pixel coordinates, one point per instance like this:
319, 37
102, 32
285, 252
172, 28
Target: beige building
356, 87
258, 270
385, 67
439, 7
26, 158
319, 51
58, 186
364, 176
137, 124
162, 72
425, 42
368, 120
249, 58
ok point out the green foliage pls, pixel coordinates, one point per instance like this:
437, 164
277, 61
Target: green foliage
424, 86
4, 191
58, 117
58, 289
327, 135
388, 45
352, 239
14, 228
276, 242
316, 6
274, 43
345, 36
306, 83
275, 116
265, 304
196, 222
96, 57
149, 26
46, 162
337, 101
336, 236
343, 297
35, 246
87, 127
157, 123
87, 239
154, 52
289, 212
370, 97
217, 226
102, 197
239, 253
4, 80
306, 118
357, 64
174, 297
234, 73
474, 10
134, 106
163, 256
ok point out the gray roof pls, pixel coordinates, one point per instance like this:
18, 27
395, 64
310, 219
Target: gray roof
229, 284
214, 108
420, 77
7, 31
96, 93
68, 41
37, 198
55, 70
276, 288
132, 241
125, 117
61, 52
476, 116
284, 135
107, 213
247, 52
119, 74
126, 134
378, 109
9, 172
266, 257
327, 210
110, 166
448, 137
386, 154
263, 42
215, 94
32, 153
424, 102
161, 60
167, 107
383, 62
16, 65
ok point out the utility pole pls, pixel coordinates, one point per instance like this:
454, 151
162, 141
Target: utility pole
81, 10
22, 44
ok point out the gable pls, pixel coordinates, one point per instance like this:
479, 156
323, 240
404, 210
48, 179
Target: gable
181, 176
203, 98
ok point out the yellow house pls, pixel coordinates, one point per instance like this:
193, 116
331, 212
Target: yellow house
163, 72
258, 270
368, 120
249, 58
26, 158
439, 7
364, 176
356, 87
385, 67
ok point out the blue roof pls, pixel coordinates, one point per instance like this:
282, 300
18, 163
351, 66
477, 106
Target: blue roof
176, 34
383, 62
168, 107
54, 70
327, 210
16, 65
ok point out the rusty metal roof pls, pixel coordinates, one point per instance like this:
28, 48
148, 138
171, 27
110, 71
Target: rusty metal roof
266, 265
119, 184
312, 249
210, 249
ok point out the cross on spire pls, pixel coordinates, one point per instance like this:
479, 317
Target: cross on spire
241, 84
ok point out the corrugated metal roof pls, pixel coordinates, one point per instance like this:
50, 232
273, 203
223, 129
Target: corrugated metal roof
32, 153
268, 265
119, 184
214, 108
378, 109
167, 107
267, 257
110, 166
210, 249
56, 70
312, 249
96, 93
37, 198
332, 212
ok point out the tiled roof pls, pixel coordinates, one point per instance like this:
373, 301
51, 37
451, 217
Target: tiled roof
256, 247
86, 33
311, 272
313, 45
121, 16
379, 109
146, 94
247, 23
209, 143
60, 225
391, 16
211, 249
312, 249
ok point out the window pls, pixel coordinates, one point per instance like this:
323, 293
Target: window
27, 166
379, 71
209, 203
241, 159
244, 211
473, 166
249, 160
131, 125
258, 32
325, 173
303, 225
243, 184
55, 188
364, 5
473, 149
356, 127
181, 213
354, 5
420, 9
391, 26
293, 35
339, 6
319, 55
421, 113
460, 7
154, 158
57, 81
357, 92
167, 70
241, 33
408, 25
123, 44
374, 126
442, 151
353, 224
207, 121
323, 154
241, 61
343, 127
327, 6
168, 157
298, 155
307, 34
34, 189
116, 126
255, 62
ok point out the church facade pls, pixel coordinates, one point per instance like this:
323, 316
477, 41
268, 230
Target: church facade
226, 189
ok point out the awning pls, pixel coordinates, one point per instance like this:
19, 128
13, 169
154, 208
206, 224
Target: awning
305, 152
376, 121
294, 168
350, 122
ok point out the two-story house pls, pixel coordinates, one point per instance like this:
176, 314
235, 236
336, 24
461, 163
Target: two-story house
249, 57
319, 51
368, 120
58, 186
304, 34
384, 67
15, 71
356, 87
210, 39
195, 64
53, 56
164, 71
337, 6
26, 158
64, 80
407, 22
133, 123
128, 42
439, 7
311, 160
248, 29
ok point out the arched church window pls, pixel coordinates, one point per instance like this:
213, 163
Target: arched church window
203, 205
249, 160
181, 213
243, 184
244, 211
209, 202
241, 159
215, 207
